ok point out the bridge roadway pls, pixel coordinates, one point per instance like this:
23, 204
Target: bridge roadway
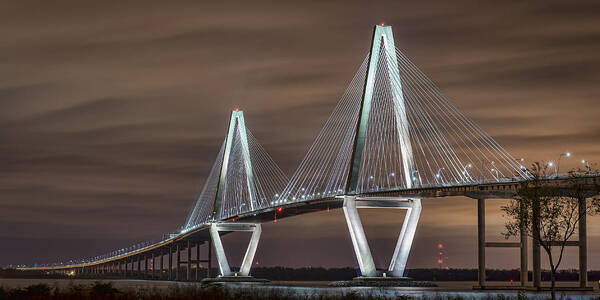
201, 235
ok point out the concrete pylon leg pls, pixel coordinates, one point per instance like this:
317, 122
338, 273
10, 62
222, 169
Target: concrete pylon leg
220, 251
405, 240
359, 239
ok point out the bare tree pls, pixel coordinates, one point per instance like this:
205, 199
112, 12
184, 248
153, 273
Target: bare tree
549, 212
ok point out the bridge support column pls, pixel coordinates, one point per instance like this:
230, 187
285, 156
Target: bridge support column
481, 241
177, 262
188, 268
215, 228
152, 266
161, 268
209, 269
536, 254
582, 242
359, 239
198, 261
145, 273
524, 264
139, 265
170, 270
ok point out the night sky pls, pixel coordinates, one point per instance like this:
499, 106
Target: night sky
112, 112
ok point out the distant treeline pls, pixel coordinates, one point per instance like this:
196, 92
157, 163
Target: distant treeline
318, 274
332, 274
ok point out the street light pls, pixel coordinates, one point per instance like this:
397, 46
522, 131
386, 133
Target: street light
566, 154
438, 175
587, 166
496, 171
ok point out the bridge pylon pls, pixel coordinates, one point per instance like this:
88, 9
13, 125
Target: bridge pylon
382, 43
237, 132
237, 128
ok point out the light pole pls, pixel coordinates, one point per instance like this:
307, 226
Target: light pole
551, 164
566, 154
587, 166
393, 176
438, 175
483, 170
521, 167
494, 169
415, 176
466, 172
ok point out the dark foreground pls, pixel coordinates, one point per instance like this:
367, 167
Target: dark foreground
140, 289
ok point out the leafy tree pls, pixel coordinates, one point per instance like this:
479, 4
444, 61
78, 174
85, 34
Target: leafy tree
549, 212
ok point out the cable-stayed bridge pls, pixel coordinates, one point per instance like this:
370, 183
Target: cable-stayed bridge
392, 140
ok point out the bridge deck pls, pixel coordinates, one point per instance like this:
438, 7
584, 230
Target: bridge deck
200, 235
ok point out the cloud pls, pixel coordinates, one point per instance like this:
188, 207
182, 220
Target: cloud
111, 114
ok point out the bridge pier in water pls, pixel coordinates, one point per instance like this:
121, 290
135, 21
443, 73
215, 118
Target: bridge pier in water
224, 268
582, 243
359, 239
482, 245
536, 247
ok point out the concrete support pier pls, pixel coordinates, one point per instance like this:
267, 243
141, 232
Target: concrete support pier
255, 229
359, 240
582, 243
188, 269
170, 270
536, 254
177, 262
524, 260
481, 241
198, 262
482, 244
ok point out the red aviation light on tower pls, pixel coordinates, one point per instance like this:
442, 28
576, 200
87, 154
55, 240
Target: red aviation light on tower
237, 109
382, 24
440, 246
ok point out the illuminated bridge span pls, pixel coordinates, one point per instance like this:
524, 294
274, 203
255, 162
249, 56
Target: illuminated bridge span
393, 139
